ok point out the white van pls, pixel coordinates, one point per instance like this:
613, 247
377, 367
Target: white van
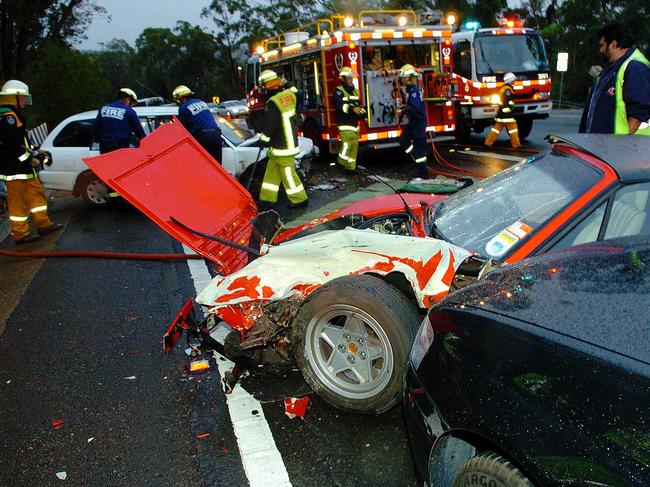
71, 140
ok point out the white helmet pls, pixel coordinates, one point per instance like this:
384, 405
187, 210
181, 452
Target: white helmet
509, 78
127, 92
15, 87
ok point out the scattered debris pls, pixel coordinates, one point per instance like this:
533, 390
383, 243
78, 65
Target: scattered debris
381, 179
294, 406
131, 377
57, 423
339, 180
91, 439
61, 475
8, 382
199, 365
325, 186
202, 435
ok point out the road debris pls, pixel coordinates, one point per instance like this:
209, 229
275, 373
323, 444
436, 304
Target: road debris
202, 435
91, 439
199, 365
131, 377
325, 186
294, 406
61, 475
57, 423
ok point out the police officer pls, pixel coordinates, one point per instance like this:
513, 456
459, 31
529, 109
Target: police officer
196, 117
279, 132
413, 138
347, 114
619, 102
117, 122
18, 160
504, 116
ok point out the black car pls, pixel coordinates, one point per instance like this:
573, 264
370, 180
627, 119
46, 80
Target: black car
538, 374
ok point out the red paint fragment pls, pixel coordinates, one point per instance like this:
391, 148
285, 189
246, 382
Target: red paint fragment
242, 287
294, 406
305, 289
57, 423
267, 292
202, 435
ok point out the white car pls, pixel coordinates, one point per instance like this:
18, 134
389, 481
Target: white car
71, 140
232, 108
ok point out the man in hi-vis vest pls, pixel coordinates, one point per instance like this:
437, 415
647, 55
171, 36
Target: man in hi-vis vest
620, 99
279, 133
347, 113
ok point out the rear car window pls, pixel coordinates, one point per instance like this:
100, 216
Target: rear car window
76, 134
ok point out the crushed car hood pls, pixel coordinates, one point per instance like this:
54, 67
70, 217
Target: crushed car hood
298, 267
170, 176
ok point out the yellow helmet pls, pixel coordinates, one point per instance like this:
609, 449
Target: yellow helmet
15, 87
266, 76
127, 92
347, 72
407, 71
180, 91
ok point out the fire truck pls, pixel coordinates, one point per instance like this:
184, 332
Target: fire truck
481, 57
375, 45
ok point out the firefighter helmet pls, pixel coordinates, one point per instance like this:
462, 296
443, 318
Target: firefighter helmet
15, 87
347, 72
407, 71
127, 93
266, 76
181, 91
509, 78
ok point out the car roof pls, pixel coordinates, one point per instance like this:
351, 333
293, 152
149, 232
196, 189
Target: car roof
597, 293
628, 155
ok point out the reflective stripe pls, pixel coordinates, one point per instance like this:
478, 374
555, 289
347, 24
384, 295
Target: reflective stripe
495, 130
409, 149
421, 159
39, 208
351, 128
644, 125
264, 138
271, 187
288, 130
285, 152
113, 195
289, 175
296, 190
346, 158
15, 177
350, 98
506, 110
344, 149
267, 76
505, 120
25, 156
345, 108
18, 218
513, 131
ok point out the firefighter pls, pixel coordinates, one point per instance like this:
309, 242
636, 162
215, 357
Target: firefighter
117, 122
414, 139
18, 163
347, 113
504, 116
196, 117
279, 133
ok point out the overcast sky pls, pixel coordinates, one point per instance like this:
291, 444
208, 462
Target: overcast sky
128, 18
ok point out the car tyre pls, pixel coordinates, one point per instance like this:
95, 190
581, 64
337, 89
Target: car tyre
351, 340
490, 469
93, 190
525, 127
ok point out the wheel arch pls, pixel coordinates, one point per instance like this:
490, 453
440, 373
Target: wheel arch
399, 281
76, 191
452, 449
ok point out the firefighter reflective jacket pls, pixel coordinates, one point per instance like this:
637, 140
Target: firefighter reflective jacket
505, 114
195, 115
345, 100
15, 149
116, 122
620, 117
279, 124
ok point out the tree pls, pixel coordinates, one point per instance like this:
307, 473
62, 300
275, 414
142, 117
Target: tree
26, 26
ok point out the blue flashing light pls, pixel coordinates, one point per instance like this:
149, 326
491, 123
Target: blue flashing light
472, 25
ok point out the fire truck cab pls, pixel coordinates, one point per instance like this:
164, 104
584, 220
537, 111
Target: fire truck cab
482, 56
375, 45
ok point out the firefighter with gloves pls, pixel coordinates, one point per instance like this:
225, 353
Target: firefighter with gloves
279, 133
117, 122
413, 138
196, 117
18, 163
347, 113
504, 116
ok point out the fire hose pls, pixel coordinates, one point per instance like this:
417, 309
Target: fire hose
99, 255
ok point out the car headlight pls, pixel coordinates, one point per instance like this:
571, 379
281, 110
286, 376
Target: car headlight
422, 342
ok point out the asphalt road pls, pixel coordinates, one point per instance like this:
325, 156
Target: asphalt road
85, 388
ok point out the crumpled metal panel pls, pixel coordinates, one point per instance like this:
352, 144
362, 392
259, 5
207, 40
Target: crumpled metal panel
297, 268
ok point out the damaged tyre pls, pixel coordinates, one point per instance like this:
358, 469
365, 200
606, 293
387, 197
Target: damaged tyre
351, 341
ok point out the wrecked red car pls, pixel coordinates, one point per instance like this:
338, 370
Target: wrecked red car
345, 302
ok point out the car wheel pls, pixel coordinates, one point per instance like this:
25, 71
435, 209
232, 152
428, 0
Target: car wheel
93, 190
351, 341
490, 469
524, 126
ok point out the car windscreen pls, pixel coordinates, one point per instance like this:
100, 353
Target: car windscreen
494, 216
509, 53
235, 134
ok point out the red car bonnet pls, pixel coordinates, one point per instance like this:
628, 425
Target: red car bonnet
171, 176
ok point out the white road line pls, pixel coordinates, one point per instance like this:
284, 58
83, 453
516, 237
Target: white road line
492, 154
262, 461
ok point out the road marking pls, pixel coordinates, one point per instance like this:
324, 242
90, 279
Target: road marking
493, 154
260, 456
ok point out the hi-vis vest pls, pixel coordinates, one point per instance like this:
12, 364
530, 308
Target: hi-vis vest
620, 115
285, 101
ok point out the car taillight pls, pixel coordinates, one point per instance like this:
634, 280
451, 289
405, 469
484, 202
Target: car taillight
422, 342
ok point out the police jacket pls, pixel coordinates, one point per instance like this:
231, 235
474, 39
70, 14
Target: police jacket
116, 122
601, 106
345, 100
505, 113
414, 105
279, 123
195, 115
15, 150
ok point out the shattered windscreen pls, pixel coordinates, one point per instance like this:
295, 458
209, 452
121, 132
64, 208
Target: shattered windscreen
493, 216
